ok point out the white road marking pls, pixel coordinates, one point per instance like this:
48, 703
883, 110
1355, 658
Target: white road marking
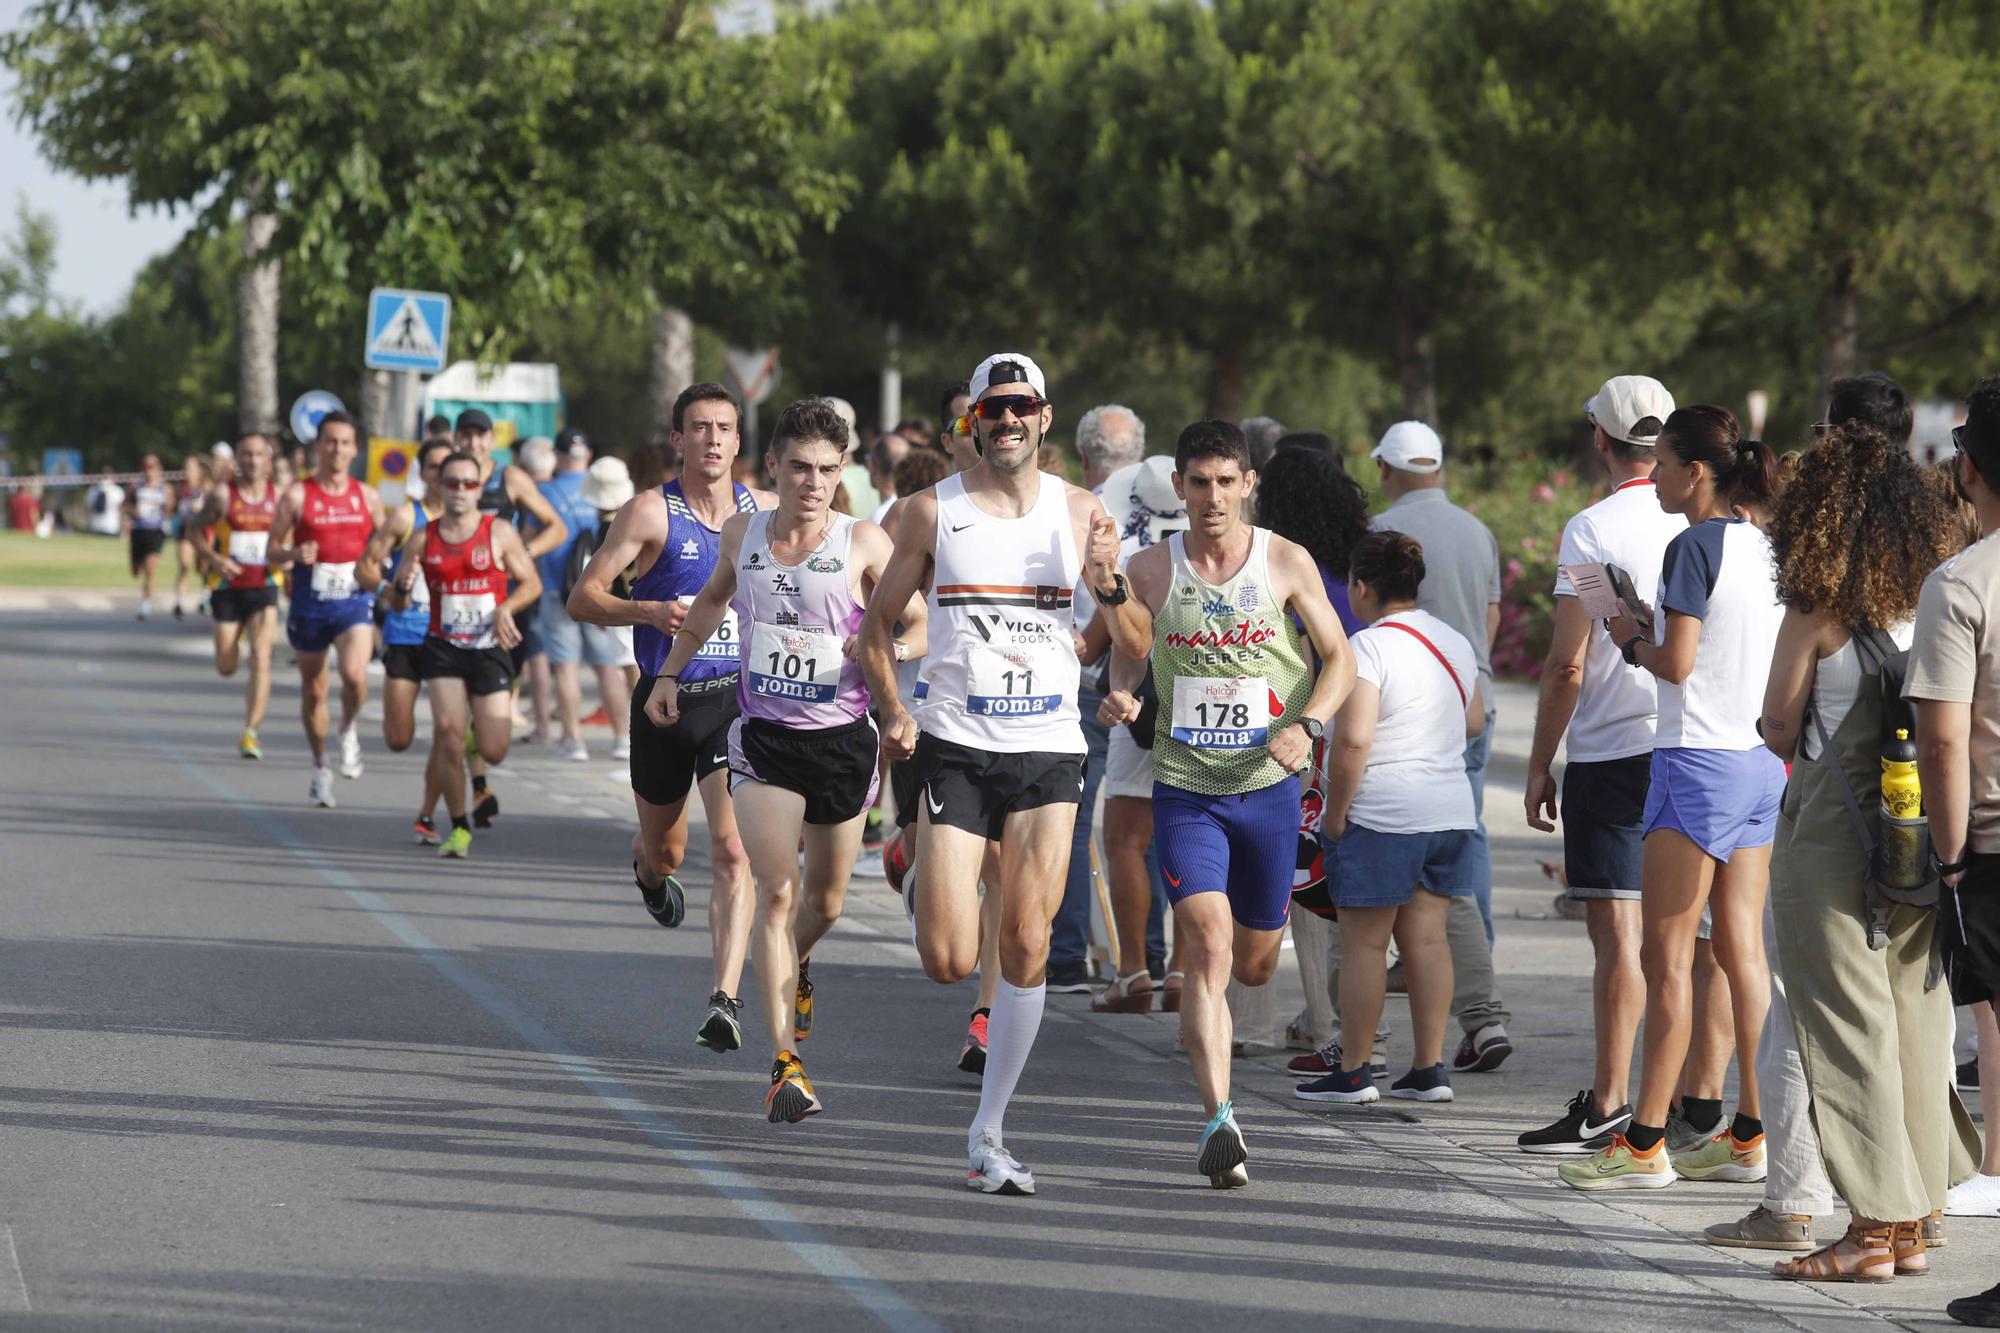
13, 1287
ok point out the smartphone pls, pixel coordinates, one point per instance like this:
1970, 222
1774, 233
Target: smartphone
1621, 584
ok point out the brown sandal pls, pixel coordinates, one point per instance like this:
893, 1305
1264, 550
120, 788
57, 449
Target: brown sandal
1120, 997
1864, 1254
1909, 1246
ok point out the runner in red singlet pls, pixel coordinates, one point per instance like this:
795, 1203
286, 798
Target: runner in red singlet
231, 533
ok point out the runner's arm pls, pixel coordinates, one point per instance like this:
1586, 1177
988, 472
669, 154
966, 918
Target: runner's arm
1348, 744
1794, 662
916, 545
513, 555
711, 604
279, 551
876, 551
203, 535
640, 520
1129, 625
386, 537
521, 489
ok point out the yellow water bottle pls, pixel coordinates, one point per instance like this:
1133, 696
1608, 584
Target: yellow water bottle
1903, 856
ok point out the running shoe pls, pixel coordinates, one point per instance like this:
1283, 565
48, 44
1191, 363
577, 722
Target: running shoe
485, 810
720, 1030
350, 753
247, 746
1069, 979
1976, 1197
457, 844
896, 860
1350, 1087
1682, 1136
621, 748
575, 751
1423, 1085
868, 865
1723, 1157
1966, 1076
1221, 1154
321, 791
667, 902
1483, 1051
1298, 1039
991, 1169
426, 831
802, 1004
145, 607
1581, 1130
871, 831
1620, 1167
1327, 1059
972, 1055
791, 1098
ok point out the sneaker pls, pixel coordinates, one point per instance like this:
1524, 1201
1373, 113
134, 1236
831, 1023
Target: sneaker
1483, 1051
350, 753
972, 1055
1349, 1087
1976, 1197
896, 860
791, 1098
872, 831
180, 612
1981, 1311
802, 1005
720, 1030
1620, 1167
321, 791
1327, 1059
457, 844
427, 832
1580, 1132
1221, 1154
991, 1169
1298, 1039
1762, 1229
868, 865
1069, 979
621, 748
1723, 1158
667, 901
1423, 1085
486, 809
1682, 1136
1933, 1228
1966, 1076
575, 751
145, 607
247, 745
596, 718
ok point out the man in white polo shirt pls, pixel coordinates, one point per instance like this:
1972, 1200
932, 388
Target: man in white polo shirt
1609, 711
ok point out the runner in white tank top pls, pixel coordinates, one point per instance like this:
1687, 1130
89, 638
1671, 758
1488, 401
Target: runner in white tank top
802, 756
1000, 753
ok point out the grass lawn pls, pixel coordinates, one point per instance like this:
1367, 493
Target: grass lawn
71, 560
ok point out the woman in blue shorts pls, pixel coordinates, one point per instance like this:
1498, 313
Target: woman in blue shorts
1712, 808
1399, 816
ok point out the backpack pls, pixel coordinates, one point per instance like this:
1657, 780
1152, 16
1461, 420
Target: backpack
1889, 664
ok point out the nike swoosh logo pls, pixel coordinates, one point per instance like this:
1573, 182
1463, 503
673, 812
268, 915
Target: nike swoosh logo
720, 759
937, 806
1587, 1130
960, 527
1170, 878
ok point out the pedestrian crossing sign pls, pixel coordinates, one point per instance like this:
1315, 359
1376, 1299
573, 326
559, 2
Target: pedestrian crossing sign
406, 330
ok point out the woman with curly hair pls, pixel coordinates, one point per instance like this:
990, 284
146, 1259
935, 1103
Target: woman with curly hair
1854, 537
1303, 495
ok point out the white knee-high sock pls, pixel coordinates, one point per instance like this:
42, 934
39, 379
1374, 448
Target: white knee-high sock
1010, 1035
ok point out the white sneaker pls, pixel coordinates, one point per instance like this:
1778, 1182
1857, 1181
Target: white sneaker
321, 791
350, 753
575, 750
622, 748
869, 865
991, 1169
145, 607
1977, 1197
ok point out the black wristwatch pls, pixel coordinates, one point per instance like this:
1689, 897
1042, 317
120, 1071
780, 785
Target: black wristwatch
1955, 868
1625, 649
1120, 591
1313, 728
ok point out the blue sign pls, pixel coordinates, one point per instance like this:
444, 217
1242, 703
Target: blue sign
312, 405
62, 462
407, 330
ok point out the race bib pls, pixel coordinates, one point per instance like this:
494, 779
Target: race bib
1218, 713
330, 583
247, 548
1011, 680
722, 645
466, 619
788, 662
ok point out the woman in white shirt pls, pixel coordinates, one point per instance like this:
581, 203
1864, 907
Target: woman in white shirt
1855, 536
1712, 804
1397, 830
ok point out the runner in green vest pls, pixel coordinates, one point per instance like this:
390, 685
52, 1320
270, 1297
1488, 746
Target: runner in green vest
1218, 611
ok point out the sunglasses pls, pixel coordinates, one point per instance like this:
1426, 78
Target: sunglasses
461, 485
960, 425
1022, 405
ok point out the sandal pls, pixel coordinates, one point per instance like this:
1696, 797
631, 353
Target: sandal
1864, 1254
1122, 996
1170, 991
1909, 1246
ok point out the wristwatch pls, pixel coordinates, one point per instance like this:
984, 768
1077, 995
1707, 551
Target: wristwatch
1625, 649
1955, 868
1120, 591
1313, 728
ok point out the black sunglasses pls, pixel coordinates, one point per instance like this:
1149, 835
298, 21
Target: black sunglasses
1022, 405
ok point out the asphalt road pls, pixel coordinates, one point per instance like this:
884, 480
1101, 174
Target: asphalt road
273, 1066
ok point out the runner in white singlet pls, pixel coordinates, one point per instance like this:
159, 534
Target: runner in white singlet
999, 752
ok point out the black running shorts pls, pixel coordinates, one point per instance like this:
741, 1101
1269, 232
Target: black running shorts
976, 790
666, 761
1969, 931
402, 661
832, 767
146, 542
229, 605
484, 670
903, 789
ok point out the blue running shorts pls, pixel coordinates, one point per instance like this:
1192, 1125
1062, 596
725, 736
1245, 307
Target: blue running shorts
1719, 799
1245, 846
313, 626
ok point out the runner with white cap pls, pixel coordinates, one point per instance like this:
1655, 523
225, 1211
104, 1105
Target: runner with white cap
1000, 753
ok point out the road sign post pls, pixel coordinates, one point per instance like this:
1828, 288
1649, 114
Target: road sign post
751, 375
407, 330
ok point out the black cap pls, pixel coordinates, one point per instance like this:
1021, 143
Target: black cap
473, 419
571, 435
438, 425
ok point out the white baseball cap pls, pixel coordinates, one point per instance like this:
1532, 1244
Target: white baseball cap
1012, 368
1410, 446
221, 449
1626, 401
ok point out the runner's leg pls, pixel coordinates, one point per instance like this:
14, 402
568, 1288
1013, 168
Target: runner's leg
660, 845
990, 899
830, 853
732, 900
1203, 925
262, 631
774, 817
313, 685
569, 694
492, 725
399, 713
229, 635
450, 715
355, 645
947, 908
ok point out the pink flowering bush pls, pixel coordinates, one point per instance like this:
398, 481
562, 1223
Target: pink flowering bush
1525, 502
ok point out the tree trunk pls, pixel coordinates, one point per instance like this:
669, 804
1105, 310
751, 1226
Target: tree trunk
672, 366
1416, 364
1840, 331
1225, 385
257, 327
